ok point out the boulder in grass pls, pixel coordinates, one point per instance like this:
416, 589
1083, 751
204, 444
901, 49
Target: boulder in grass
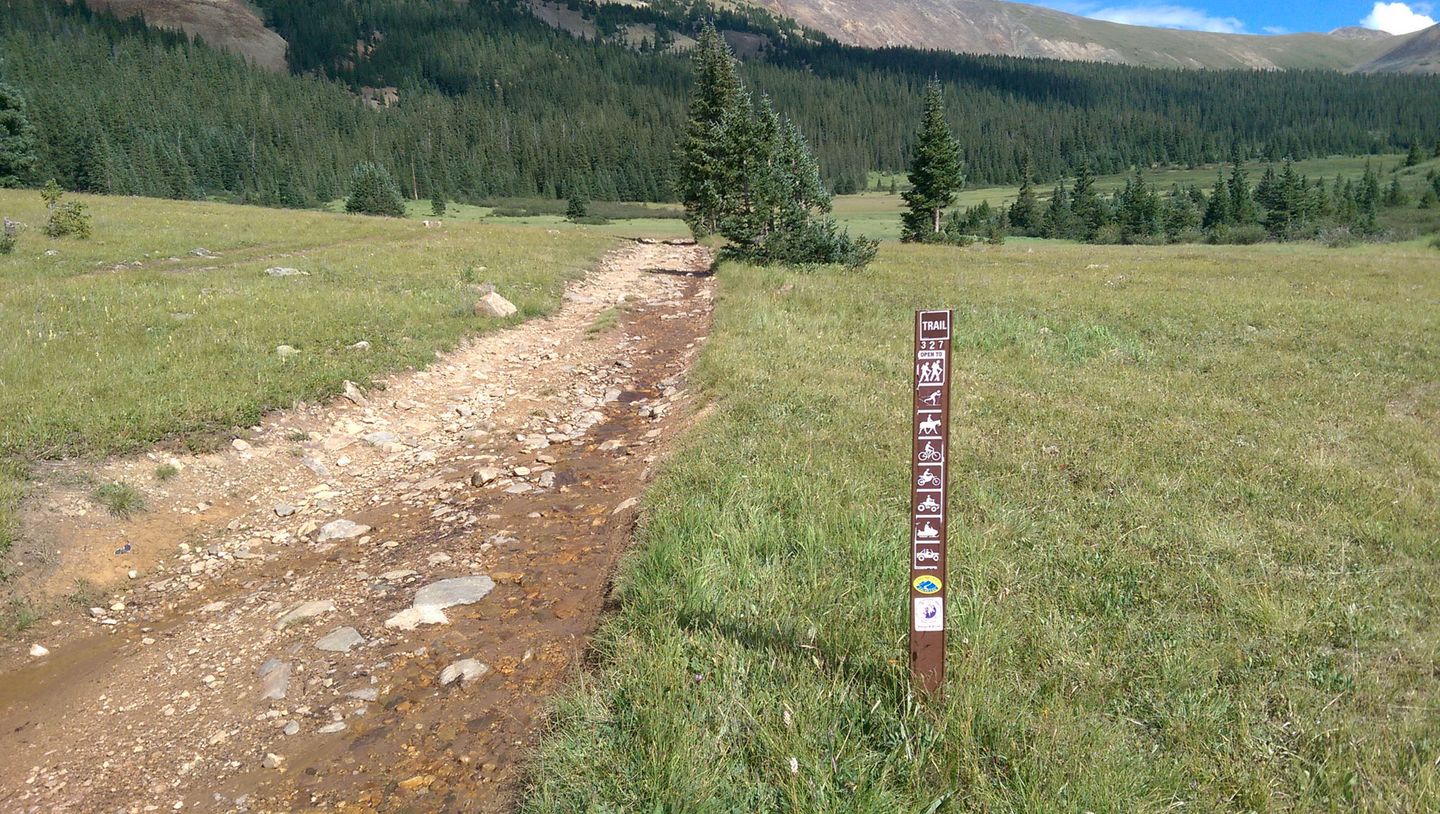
494, 305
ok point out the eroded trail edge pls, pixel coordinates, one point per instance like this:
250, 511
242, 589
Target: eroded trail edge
365, 605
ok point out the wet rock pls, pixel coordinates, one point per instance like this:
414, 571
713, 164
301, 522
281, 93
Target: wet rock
625, 504
464, 671
494, 305
340, 640
305, 610
341, 529
274, 679
432, 600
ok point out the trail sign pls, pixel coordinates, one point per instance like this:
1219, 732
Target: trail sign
929, 493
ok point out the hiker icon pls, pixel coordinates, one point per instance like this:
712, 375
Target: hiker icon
927, 531
927, 478
931, 372
932, 399
929, 453
928, 505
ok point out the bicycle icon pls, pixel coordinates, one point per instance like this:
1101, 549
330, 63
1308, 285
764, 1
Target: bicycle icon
928, 478
929, 454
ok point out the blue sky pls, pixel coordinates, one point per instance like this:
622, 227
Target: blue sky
1257, 17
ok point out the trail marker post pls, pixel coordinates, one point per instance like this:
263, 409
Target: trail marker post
929, 493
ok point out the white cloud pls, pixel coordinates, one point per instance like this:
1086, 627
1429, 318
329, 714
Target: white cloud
1275, 29
1167, 16
1399, 18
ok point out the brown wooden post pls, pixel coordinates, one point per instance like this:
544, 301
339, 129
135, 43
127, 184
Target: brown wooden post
929, 494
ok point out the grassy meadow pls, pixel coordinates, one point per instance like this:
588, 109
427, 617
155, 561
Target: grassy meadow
130, 338
876, 213
1195, 503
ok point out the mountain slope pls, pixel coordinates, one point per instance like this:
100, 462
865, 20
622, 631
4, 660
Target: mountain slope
228, 24
1419, 53
1015, 29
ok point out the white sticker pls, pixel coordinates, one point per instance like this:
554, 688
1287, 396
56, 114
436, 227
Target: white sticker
929, 614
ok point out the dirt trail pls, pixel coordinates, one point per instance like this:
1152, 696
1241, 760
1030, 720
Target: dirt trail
511, 462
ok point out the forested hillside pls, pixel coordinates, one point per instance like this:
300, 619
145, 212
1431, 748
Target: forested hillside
493, 102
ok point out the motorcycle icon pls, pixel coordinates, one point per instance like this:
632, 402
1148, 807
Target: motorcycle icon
929, 453
928, 478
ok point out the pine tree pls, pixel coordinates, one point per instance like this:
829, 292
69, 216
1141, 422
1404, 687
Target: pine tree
715, 103
437, 203
17, 139
1217, 209
1089, 212
577, 205
1055, 222
373, 192
1138, 209
1242, 199
1415, 156
936, 172
1025, 212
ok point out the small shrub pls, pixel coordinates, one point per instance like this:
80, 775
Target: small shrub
590, 220
1339, 237
1435, 242
1108, 234
509, 212
120, 499
7, 242
67, 218
165, 472
815, 242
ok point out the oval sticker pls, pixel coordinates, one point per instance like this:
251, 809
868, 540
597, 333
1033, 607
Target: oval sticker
927, 584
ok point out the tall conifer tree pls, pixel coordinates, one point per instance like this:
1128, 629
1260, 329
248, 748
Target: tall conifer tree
17, 139
715, 103
936, 172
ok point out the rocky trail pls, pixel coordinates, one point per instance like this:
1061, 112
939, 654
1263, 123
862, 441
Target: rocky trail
364, 605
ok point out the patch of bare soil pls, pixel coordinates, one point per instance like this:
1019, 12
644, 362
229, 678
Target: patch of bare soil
306, 594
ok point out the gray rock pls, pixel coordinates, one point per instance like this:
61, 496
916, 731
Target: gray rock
364, 694
464, 671
340, 640
203, 253
355, 394
284, 510
38, 651
432, 600
272, 760
284, 271
341, 529
305, 610
494, 305
451, 592
274, 679
380, 438
315, 466
292, 728
331, 728
361, 345
483, 476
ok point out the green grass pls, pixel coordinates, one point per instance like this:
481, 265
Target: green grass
625, 219
1193, 555
119, 499
128, 339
